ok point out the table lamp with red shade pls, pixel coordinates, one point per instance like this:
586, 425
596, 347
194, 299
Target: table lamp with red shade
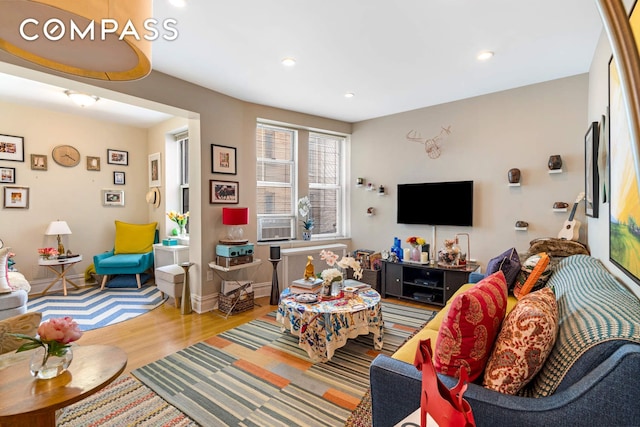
234, 219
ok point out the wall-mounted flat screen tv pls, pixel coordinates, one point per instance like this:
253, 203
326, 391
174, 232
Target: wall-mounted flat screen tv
436, 203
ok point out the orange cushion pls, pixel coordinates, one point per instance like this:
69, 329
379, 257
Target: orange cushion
470, 327
537, 265
524, 342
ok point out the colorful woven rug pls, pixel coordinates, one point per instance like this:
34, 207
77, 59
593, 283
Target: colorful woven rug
92, 308
125, 402
257, 375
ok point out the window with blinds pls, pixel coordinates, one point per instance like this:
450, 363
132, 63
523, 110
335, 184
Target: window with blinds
182, 139
278, 184
325, 182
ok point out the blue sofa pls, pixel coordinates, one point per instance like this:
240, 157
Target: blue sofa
590, 377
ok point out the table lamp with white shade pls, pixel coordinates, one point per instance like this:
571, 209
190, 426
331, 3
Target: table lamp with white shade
58, 228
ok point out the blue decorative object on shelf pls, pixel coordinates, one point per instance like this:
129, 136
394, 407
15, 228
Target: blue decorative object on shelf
397, 249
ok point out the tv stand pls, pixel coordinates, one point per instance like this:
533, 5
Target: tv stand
425, 283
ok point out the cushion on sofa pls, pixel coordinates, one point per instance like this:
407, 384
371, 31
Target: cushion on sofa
26, 324
134, 238
509, 263
4, 271
524, 342
470, 327
534, 274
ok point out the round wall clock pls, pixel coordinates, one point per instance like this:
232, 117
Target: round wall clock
66, 155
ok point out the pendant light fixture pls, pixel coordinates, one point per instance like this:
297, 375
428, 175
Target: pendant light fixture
95, 39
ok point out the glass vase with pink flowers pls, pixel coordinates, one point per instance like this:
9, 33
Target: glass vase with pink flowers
53, 354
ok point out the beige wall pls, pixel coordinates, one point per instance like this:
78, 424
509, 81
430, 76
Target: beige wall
490, 134
72, 194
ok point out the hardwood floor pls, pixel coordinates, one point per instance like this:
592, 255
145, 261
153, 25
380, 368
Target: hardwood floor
164, 330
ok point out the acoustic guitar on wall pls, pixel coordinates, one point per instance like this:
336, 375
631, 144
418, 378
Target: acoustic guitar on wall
571, 227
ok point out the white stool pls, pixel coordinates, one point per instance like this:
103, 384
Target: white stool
169, 280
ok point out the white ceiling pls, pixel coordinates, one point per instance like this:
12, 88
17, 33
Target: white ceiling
394, 56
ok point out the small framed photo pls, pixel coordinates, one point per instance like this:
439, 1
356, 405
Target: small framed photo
93, 163
223, 159
155, 170
117, 157
16, 197
224, 192
7, 175
12, 148
39, 162
112, 197
118, 178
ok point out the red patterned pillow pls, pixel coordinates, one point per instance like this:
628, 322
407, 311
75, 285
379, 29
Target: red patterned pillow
525, 340
469, 329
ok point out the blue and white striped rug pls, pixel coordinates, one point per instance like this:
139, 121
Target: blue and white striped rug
92, 308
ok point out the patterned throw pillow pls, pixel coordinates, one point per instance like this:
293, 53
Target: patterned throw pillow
4, 271
26, 324
534, 274
469, 329
509, 263
524, 343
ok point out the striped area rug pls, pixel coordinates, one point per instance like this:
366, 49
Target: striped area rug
256, 375
92, 308
125, 402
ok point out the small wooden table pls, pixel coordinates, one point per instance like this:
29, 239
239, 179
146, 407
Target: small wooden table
64, 264
28, 401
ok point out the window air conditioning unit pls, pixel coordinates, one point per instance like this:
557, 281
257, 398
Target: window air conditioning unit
276, 229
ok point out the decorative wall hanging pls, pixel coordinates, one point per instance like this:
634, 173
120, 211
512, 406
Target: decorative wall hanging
223, 159
112, 198
224, 192
93, 163
117, 157
16, 197
7, 175
12, 148
591, 178
155, 170
431, 145
39, 162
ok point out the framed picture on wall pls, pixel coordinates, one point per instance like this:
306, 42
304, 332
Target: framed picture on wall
155, 170
117, 157
591, 176
224, 192
39, 162
93, 163
112, 198
16, 197
118, 178
223, 159
7, 175
12, 148
624, 200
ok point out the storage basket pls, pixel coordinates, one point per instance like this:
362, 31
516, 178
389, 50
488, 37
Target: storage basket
226, 302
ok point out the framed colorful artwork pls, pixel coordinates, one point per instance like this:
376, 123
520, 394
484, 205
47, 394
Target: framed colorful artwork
624, 177
223, 159
7, 175
12, 148
224, 192
16, 197
155, 170
117, 157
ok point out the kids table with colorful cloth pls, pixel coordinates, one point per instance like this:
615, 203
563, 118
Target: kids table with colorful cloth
326, 325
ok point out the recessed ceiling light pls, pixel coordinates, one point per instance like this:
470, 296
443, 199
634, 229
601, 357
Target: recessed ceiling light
349, 95
288, 62
484, 55
82, 99
178, 3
